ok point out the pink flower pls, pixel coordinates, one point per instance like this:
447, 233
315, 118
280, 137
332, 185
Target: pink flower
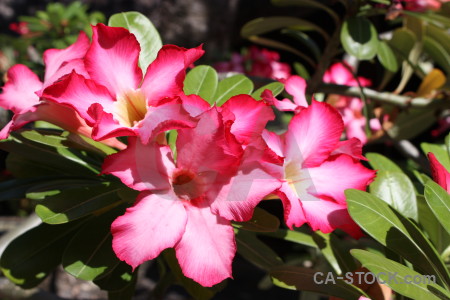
21, 92
188, 204
294, 86
439, 172
422, 5
115, 98
318, 169
19, 27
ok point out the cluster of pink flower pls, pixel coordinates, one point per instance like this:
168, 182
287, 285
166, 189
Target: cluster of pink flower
350, 108
257, 62
419, 5
226, 161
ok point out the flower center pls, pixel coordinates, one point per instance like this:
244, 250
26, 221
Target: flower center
130, 107
186, 184
299, 180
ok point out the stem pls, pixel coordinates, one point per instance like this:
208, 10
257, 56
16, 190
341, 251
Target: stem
385, 97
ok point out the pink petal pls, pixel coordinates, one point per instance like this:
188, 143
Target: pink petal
250, 117
327, 216
338, 74
76, 65
112, 59
238, 198
80, 93
156, 222
209, 147
141, 167
296, 86
105, 126
4, 133
313, 134
165, 75
194, 104
273, 141
355, 128
207, 248
293, 211
334, 176
352, 147
164, 117
439, 172
55, 58
19, 91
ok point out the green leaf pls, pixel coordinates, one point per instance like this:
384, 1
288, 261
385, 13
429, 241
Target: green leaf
125, 293
395, 232
381, 162
439, 201
305, 40
146, 34
400, 278
304, 279
411, 123
232, 86
255, 251
359, 38
193, 288
437, 52
75, 203
264, 25
308, 4
397, 190
202, 81
17, 188
440, 151
275, 87
387, 57
30, 258
119, 278
294, 236
402, 42
437, 234
323, 243
261, 221
89, 254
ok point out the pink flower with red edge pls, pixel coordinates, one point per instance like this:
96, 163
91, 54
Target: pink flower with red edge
440, 174
21, 93
188, 204
115, 98
317, 169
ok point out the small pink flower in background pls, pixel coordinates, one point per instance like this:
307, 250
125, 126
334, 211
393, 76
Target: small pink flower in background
115, 98
317, 169
188, 204
422, 5
262, 63
19, 27
351, 108
440, 174
23, 88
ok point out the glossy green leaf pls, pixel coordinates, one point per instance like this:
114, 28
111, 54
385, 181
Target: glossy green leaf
402, 42
439, 201
304, 279
428, 221
322, 241
264, 25
399, 277
294, 236
431, 17
89, 254
309, 4
397, 190
17, 188
202, 81
387, 57
380, 162
439, 35
232, 86
275, 87
440, 151
341, 251
395, 232
30, 258
359, 38
72, 204
255, 251
437, 52
146, 34
261, 221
